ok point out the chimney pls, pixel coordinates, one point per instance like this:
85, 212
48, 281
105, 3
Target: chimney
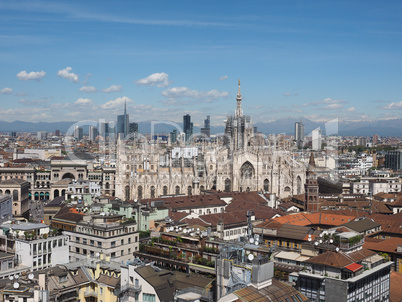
42, 281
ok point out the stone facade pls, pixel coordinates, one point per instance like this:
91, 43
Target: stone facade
241, 161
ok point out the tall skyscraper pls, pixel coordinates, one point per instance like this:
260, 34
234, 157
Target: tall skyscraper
316, 136
133, 128
123, 123
78, 133
187, 127
299, 134
206, 130
93, 133
173, 136
104, 130
42, 135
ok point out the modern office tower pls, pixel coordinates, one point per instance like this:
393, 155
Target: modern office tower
42, 135
78, 133
57, 132
93, 133
133, 128
104, 130
299, 134
206, 130
173, 136
393, 160
316, 139
123, 123
375, 139
187, 127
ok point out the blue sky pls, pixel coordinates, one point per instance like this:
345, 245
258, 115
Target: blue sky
79, 60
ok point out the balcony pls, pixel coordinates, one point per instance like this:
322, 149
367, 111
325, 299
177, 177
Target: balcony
128, 290
90, 293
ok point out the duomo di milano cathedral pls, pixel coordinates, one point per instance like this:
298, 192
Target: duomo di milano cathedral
241, 161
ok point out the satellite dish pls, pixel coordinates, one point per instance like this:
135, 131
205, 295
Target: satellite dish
309, 239
185, 231
16, 276
309, 235
180, 228
97, 254
257, 243
331, 241
251, 257
198, 229
316, 243
337, 249
11, 277
16, 285
251, 240
193, 229
320, 240
30, 276
321, 234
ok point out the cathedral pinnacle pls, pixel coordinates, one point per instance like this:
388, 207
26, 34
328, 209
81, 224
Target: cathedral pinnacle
238, 98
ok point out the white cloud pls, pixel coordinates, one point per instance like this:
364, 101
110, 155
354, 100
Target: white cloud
327, 103
222, 78
291, 94
66, 74
184, 92
82, 101
393, 106
6, 91
116, 103
88, 89
113, 88
333, 106
155, 79
32, 76
36, 103
351, 109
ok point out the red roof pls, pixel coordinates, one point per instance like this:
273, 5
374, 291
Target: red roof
354, 267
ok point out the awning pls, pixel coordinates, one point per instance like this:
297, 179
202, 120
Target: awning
354, 267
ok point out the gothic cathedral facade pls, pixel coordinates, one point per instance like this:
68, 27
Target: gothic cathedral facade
238, 161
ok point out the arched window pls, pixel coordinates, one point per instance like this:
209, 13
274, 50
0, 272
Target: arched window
266, 185
228, 185
189, 190
152, 192
202, 188
299, 185
8, 192
107, 186
164, 190
15, 195
177, 190
56, 193
139, 192
247, 170
127, 192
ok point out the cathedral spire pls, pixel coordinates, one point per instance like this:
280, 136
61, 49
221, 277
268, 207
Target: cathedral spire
238, 98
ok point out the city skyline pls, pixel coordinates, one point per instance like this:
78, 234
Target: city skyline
321, 60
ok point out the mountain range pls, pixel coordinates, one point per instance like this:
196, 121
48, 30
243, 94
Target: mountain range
391, 127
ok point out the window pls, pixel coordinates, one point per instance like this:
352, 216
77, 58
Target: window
122, 253
113, 243
122, 242
113, 255
148, 297
92, 242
